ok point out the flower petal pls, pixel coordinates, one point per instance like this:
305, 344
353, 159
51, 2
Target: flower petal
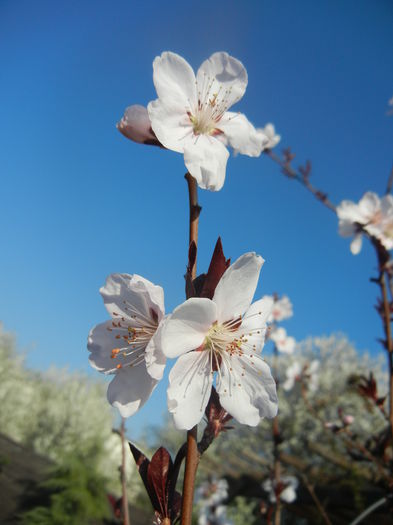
100, 343
241, 134
224, 75
174, 79
206, 158
170, 123
130, 389
356, 244
348, 210
254, 324
187, 327
132, 295
154, 356
236, 287
369, 205
247, 389
190, 382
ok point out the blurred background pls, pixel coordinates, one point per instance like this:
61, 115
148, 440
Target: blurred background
79, 201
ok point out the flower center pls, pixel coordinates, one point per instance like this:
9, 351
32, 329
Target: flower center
210, 108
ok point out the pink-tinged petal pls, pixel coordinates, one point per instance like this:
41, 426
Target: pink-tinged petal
224, 75
132, 295
237, 286
154, 356
170, 124
253, 325
135, 125
190, 382
206, 158
100, 343
241, 134
187, 327
247, 389
174, 80
356, 244
130, 389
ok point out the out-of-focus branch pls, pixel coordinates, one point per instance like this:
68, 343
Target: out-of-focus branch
301, 175
315, 498
123, 477
390, 183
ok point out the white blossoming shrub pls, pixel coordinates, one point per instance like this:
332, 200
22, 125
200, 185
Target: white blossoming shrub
60, 413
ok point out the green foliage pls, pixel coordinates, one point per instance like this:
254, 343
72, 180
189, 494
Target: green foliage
74, 494
60, 413
243, 510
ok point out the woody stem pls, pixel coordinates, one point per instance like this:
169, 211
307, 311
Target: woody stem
192, 455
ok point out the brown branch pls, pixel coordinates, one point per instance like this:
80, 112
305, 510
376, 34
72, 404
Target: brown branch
192, 456
315, 498
301, 176
123, 478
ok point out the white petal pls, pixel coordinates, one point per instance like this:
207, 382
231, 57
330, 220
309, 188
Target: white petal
347, 228
190, 382
241, 134
348, 210
206, 158
187, 327
225, 75
154, 356
247, 389
356, 244
288, 495
254, 323
128, 295
369, 205
174, 79
170, 123
237, 286
100, 343
130, 389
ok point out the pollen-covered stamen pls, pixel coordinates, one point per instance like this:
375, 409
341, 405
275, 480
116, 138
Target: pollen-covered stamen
213, 102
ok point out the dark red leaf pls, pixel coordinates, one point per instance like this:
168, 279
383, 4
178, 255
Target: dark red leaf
217, 267
158, 473
142, 464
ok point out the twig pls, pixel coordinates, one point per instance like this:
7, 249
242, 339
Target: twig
192, 456
302, 177
318, 504
390, 183
276, 449
123, 478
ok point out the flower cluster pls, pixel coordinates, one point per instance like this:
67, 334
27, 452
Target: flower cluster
221, 336
282, 309
284, 490
372, 215
306, 374
210, 496
191, 116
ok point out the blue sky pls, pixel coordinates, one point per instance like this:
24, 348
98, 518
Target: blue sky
79, 201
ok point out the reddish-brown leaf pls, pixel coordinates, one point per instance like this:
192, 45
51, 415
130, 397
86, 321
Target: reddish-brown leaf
217, 267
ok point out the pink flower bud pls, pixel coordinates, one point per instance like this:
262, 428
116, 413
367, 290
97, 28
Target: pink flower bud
135, 125
348, 419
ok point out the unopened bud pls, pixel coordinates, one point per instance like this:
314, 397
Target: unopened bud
136, 126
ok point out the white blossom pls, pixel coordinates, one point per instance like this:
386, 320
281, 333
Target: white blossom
191, 114
130, 341
223, 335
284, 343
371, 214
135, 125
282, 309
285, 489
270, 135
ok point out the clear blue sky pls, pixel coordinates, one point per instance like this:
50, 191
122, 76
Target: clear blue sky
79, 201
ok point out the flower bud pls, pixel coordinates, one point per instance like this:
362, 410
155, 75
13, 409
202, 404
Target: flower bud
135, 125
